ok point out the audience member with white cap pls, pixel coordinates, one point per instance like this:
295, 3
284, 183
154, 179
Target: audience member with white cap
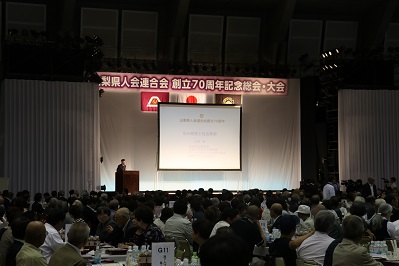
306, 222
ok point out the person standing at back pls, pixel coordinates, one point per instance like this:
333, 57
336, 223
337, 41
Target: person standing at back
328, 189
369, 188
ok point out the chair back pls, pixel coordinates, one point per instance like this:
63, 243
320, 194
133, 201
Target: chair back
278, 261
184, 245
299, 262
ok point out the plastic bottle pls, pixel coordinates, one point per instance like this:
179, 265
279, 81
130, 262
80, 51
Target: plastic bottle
384, 249
129, 257
136, 253
378, 247
97, 256
372, 247
194, 259
185, 262
178, 262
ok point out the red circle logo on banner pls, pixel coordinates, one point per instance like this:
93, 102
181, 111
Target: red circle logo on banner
191, 99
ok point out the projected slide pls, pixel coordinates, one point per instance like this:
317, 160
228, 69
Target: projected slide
199, 137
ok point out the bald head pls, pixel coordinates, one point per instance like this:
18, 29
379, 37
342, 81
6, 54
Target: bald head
122, 215
316, 209
35, 233
252, 212
276, 210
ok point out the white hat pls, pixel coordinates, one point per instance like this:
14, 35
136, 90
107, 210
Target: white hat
305, 209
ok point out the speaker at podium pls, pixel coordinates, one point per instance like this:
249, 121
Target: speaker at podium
127, 179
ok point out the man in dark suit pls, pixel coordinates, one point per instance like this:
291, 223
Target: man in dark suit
276, 210
18, 227
89, 215
122, 166
7, 198
124, 228
369, 188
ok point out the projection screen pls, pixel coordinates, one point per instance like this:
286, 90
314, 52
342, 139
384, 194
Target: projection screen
199, 137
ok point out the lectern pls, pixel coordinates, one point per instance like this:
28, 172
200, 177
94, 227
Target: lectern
127, 179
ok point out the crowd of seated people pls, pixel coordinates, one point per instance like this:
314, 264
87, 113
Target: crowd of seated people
312, 227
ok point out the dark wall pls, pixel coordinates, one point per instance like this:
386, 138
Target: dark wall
313, 130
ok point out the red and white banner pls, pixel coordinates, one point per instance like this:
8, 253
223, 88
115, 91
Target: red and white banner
191, 98
194, 84
149, 100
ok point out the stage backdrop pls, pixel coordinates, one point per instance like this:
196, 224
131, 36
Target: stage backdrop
368, 134
270, 143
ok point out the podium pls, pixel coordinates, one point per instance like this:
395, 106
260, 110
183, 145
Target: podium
127, 179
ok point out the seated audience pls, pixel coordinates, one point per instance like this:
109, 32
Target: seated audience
370, 205
3, 220
53, 241
294, 203
70, 254
7, 238
314, 247
104, 217
393, 201
306, 222
284, 246
380, 225
201, 231
349, 252
248, 228
75, 212
30, 254
276, 210
166, 213
124, 229
37, 206
18, 227
197, 207
147, 232
213, 214
229, 215
178, 226
89, 215
225, 249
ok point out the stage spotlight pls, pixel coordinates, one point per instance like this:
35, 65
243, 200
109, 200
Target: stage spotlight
100, 92
103, 187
